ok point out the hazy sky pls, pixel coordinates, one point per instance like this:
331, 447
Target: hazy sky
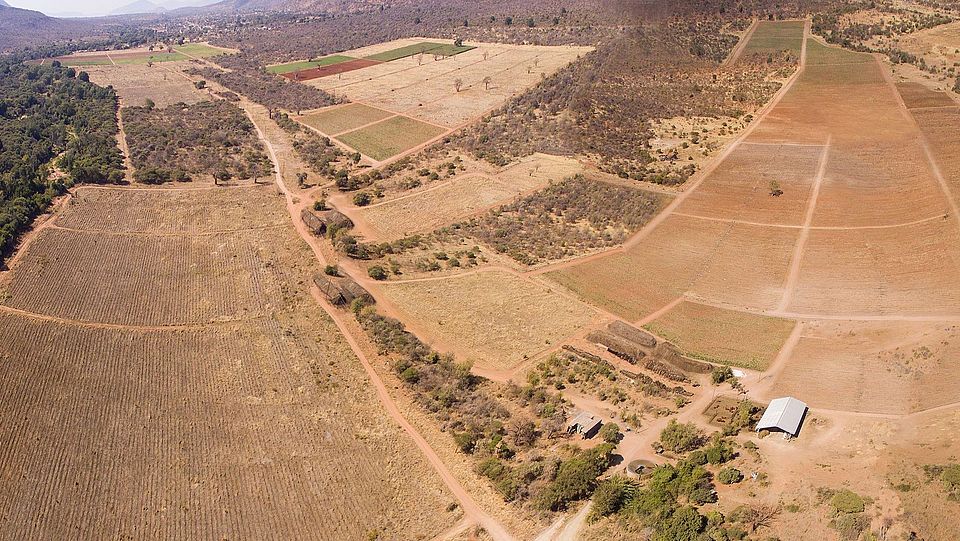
87, 7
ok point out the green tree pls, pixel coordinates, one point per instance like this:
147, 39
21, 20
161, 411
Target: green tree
610, 433
377, 272
684, 524
681, 438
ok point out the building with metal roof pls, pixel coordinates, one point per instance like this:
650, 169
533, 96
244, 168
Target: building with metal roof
585, 424
783, 414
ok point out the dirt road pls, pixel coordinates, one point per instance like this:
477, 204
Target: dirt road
467, 503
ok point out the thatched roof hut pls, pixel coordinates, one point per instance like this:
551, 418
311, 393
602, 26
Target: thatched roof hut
341, 290
320, 220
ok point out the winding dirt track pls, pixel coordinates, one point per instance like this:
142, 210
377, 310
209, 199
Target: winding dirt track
468, 504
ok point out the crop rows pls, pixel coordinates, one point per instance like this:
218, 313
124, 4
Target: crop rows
171, 211
141, 280
201, 434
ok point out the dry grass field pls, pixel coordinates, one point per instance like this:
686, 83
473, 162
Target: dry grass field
424, 87
338, 119
723, 336
136, 83
263, 427
495, 319
158, 212
774, 36
940, 128
462, 196
390, 137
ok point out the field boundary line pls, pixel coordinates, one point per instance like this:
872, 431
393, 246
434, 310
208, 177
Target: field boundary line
812, 227
797, 259
123, 326
809, 316
742, 44
168, 234
653, 316
763, 385
932, 107
368, 124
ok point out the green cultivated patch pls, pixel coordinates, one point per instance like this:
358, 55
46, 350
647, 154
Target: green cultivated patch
290, 67
427, 47
390, 137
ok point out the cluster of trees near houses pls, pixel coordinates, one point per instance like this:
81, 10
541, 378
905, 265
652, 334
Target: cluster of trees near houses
207, 138
56, 128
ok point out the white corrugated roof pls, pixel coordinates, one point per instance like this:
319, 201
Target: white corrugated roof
784, 413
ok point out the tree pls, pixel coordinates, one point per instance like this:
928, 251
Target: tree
301, 179
684, 524
200, 85
458, 84
775, 190
530, 22
720, 374
681, 438
331, 270
377, 272
221, 175
459, 41
486, 82
729, 476
320, 204
610, 433
361, 199
523, 432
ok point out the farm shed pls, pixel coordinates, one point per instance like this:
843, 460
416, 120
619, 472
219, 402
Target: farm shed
784, 415
585, 424
340, 290
320, 221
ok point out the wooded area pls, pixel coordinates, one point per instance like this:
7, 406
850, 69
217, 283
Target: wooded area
57, 128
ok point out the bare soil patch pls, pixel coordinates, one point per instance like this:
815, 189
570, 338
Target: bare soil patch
136, 83
330, 69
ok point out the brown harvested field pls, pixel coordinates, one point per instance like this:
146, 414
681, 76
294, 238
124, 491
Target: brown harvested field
726, 261
162, 211
462, 196
876, 367
723, 336
424, 88
940, 128
390, 137
332, 69
739, 189
135, 83
495, 319
150, 280
912, 269
917, 95
341, 118
261, 428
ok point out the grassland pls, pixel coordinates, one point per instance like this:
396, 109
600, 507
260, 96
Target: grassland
340, 119
496, 319
199, 50
390, 137
461, 196
137, 83
428, 47
307, 64
723, 336
775, 36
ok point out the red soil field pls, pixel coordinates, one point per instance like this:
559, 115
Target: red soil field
873, 367
904, 270
333, 69
940, 126
916, 95
739, 189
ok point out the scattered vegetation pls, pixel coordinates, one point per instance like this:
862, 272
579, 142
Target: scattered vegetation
251, 80
567, 218
176, 142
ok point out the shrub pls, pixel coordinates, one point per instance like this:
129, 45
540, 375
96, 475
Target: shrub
331, 270
721, 374
681, 438
576, 478
729, 476
362, 199
950, 477
684, 524
377, 272
610, 433
611, 495
847, 501
320, 204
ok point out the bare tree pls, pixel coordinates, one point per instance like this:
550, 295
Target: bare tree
486, 82
485, 53
529, 69
420, 59
458, 84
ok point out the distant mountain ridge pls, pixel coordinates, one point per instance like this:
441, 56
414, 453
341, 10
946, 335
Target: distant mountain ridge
139, 6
